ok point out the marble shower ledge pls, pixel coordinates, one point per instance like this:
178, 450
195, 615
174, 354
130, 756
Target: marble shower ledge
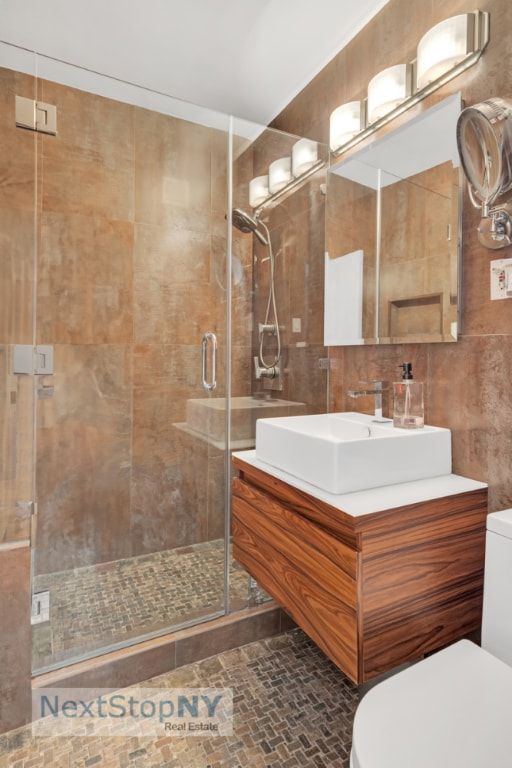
234, 445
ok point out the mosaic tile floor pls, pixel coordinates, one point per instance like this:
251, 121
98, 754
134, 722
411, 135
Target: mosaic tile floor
93, 607
291, 707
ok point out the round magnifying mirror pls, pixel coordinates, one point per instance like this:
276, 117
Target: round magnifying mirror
484, 142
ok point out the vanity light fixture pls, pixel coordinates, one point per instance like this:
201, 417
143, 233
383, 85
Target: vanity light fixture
387, 90
445, 51
304, 155
285, 175
443, 47
258, 190
346, 121
279, 174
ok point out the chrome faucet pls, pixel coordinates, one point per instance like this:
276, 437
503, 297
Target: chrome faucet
379, 388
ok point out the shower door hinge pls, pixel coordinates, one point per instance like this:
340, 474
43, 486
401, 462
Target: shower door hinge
25, 509
36, 115
31, 360
40, 610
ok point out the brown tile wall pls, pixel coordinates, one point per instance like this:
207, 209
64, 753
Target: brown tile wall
466, 384
132, 231
296, 227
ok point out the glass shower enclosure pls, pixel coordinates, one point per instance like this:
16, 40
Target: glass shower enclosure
127, 345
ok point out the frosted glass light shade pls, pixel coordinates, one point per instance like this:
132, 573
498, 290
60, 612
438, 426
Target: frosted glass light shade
387, 90
304, 156
279, 174
258, 191
443, 47
345, 122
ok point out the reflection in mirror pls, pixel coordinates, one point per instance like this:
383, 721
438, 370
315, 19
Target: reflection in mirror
392, 236
484, 140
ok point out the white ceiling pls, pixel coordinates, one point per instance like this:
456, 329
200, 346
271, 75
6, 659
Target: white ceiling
247, 58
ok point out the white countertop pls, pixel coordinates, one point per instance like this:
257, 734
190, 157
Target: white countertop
374, 499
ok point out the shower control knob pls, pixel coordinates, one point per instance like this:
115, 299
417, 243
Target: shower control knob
265, 373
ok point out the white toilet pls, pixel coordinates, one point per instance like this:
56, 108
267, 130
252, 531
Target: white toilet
453, 709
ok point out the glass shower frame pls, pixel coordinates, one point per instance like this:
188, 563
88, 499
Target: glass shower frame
76, 425
114, 459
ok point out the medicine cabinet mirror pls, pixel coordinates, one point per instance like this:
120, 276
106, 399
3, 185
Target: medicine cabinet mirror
392, 261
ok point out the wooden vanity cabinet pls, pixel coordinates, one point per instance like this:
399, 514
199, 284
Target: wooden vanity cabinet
372, 591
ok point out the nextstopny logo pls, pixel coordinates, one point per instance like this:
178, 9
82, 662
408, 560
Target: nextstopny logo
134, 711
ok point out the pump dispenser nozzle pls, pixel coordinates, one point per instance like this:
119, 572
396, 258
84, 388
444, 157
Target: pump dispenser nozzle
407, 371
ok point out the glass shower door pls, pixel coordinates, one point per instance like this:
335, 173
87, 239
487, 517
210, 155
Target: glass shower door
17, 249
130, 474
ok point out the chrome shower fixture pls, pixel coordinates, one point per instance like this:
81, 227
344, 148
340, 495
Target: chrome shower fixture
246, 223
269, 328
264, 368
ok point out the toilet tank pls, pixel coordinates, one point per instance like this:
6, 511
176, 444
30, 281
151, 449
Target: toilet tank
497, 610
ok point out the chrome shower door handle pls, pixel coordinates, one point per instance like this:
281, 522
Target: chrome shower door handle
209, 386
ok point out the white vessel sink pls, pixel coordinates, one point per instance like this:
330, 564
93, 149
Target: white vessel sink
344, 452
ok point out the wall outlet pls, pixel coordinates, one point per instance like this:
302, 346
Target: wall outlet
501, 279
296, 325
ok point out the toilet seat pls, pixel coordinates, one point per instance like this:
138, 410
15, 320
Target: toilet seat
451, 710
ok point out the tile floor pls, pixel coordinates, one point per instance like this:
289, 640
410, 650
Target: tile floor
95, 606
291, 707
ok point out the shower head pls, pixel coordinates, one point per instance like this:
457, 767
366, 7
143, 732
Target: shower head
246, 223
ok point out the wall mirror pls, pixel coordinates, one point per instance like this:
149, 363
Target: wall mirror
392, 261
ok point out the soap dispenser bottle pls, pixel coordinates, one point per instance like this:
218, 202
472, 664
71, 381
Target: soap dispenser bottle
408, 401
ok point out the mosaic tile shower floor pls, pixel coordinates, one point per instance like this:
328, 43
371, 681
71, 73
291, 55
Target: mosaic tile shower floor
291, 707
96, 606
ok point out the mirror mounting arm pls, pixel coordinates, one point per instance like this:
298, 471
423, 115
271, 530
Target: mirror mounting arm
495, 229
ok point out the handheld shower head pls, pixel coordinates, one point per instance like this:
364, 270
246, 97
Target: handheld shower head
246, 223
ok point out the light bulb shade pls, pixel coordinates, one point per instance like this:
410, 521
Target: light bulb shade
345, 122
443, 47
387, 90
304, 156
279, 174
258, 191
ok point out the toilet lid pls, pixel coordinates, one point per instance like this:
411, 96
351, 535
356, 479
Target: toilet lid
449, 710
